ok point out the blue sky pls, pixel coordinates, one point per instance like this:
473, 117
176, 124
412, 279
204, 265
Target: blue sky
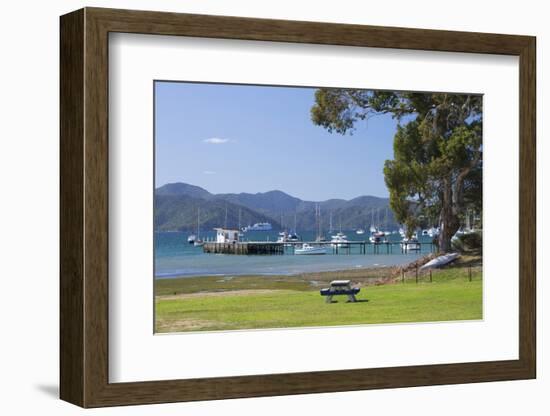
241, 138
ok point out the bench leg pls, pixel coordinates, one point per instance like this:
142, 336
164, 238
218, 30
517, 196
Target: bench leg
351, 298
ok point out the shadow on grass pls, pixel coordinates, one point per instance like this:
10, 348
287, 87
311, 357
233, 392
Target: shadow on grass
347, 301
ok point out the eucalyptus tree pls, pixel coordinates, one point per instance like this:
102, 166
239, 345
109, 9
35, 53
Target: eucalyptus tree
437, 150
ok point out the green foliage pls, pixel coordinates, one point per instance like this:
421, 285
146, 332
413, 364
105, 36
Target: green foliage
471, 242
436, 171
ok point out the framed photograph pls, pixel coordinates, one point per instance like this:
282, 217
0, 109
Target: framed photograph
255, 207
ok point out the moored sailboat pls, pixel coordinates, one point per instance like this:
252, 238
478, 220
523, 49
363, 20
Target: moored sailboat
198, 242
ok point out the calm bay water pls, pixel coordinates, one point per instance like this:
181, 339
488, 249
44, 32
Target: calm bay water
175, 257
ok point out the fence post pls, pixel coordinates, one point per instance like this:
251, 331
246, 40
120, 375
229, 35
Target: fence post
431, 276
416, 272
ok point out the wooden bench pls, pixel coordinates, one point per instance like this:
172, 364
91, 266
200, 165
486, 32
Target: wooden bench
340, 287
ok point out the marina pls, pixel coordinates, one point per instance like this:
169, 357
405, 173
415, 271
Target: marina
293, 247
259, 253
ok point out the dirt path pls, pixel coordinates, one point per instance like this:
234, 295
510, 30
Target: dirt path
220, 294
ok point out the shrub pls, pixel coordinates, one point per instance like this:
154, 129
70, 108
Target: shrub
468, 242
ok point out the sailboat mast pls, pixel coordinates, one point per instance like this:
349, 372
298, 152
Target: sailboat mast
225, 222
318, 215
198, 222
239, 225
320, 227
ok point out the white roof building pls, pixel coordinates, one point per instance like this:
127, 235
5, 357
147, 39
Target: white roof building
227, 235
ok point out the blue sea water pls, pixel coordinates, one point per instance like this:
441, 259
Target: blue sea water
175, 257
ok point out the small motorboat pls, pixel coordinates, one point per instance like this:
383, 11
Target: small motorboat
410, 244
309, 249
360, 231
198, 243
191, 239
377, 237
293, 237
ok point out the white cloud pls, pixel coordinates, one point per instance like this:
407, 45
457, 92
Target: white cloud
209, 172
216, 140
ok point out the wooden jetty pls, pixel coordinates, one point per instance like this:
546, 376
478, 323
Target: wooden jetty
244, 248
278, 248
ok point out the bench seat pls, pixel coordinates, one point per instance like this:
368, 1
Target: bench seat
329, 291
334, 291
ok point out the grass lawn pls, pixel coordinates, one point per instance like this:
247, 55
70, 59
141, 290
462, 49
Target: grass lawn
214, 303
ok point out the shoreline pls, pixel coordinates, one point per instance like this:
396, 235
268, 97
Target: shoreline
311, 281
421, 260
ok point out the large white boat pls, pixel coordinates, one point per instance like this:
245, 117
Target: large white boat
259, 226
309, 249
339, 240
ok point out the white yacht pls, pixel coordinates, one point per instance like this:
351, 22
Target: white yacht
259, 226
283, 237
292, 238
309, 249
377, 237
360, 231
339, 240
191, 239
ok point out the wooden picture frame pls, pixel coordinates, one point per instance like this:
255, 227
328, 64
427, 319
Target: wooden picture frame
84, 207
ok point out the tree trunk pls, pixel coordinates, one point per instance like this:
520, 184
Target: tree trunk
448, 220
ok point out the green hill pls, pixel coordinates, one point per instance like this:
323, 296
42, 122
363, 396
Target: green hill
176, 207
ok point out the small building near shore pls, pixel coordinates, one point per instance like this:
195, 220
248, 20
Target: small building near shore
227, 235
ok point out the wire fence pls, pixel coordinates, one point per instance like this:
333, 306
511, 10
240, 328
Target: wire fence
416, 275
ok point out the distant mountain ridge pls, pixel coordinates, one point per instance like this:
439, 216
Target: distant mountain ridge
177, 204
